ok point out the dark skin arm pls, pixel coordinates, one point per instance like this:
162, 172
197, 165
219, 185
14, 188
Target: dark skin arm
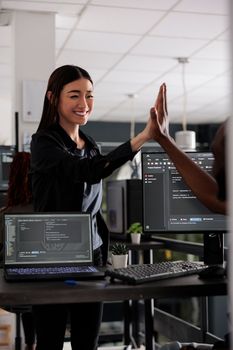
203, 185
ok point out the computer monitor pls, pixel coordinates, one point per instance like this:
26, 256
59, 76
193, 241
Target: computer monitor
6, 157
47, 237
168, 203
169, 206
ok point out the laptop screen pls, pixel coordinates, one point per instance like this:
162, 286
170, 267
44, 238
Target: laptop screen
47, 238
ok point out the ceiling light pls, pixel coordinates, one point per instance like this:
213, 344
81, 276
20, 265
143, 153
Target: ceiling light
185, 139
132, 98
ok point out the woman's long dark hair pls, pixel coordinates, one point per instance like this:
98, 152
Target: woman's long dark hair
19, 190
60, 77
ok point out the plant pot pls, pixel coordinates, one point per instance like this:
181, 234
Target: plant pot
119, 261
136, 238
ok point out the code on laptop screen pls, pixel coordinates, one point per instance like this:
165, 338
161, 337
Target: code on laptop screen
47, 237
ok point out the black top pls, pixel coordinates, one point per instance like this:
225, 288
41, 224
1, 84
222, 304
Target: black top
59, 173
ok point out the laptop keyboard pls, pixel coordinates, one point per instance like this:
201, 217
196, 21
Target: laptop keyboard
56, 270
135, 274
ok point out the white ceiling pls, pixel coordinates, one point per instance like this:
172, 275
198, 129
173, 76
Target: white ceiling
131, 46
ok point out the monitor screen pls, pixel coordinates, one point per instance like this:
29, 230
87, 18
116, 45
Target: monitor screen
6, 157
168, 203
47, 238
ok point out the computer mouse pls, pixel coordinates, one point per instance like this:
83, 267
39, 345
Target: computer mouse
213, 271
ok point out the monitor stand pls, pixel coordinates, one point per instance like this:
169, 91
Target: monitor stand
213, 249
213, 256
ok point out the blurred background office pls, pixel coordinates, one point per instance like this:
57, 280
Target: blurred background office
129, 47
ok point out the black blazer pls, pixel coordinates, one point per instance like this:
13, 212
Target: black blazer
58, 173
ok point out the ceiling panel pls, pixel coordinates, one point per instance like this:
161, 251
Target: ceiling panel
97, 74
225, 36
188, 25
101, 19
137, 4
65, 21
101, 42
89, 60
44, 6
168, 47
204, 6
118, 89
104, 87
145, 63
141, 78
61, 37
205, 66
216, 50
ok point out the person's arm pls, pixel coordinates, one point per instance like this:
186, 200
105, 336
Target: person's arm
138, 141
200, 182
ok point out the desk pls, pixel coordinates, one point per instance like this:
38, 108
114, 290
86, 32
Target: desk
56, 292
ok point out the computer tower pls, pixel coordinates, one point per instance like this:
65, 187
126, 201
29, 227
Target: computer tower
124, 205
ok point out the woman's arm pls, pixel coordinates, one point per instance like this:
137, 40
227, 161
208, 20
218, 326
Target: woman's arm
203, 185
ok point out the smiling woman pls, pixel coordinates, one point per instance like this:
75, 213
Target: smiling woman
67, 171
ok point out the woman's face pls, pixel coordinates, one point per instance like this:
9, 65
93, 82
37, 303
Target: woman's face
76, 102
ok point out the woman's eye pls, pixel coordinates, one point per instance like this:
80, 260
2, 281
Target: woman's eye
74, 96
90, 96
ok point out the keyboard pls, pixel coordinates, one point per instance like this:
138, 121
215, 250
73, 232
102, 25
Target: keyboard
136, 274
50, 270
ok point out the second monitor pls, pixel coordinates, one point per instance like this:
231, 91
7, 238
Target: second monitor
168, 203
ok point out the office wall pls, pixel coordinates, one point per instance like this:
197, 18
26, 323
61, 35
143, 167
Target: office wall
120, 132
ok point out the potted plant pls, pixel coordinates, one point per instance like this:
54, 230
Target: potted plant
119, 255
135, 230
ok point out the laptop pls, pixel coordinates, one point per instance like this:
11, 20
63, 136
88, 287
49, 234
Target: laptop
46, 246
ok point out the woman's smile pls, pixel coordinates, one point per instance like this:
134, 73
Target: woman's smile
81, 113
